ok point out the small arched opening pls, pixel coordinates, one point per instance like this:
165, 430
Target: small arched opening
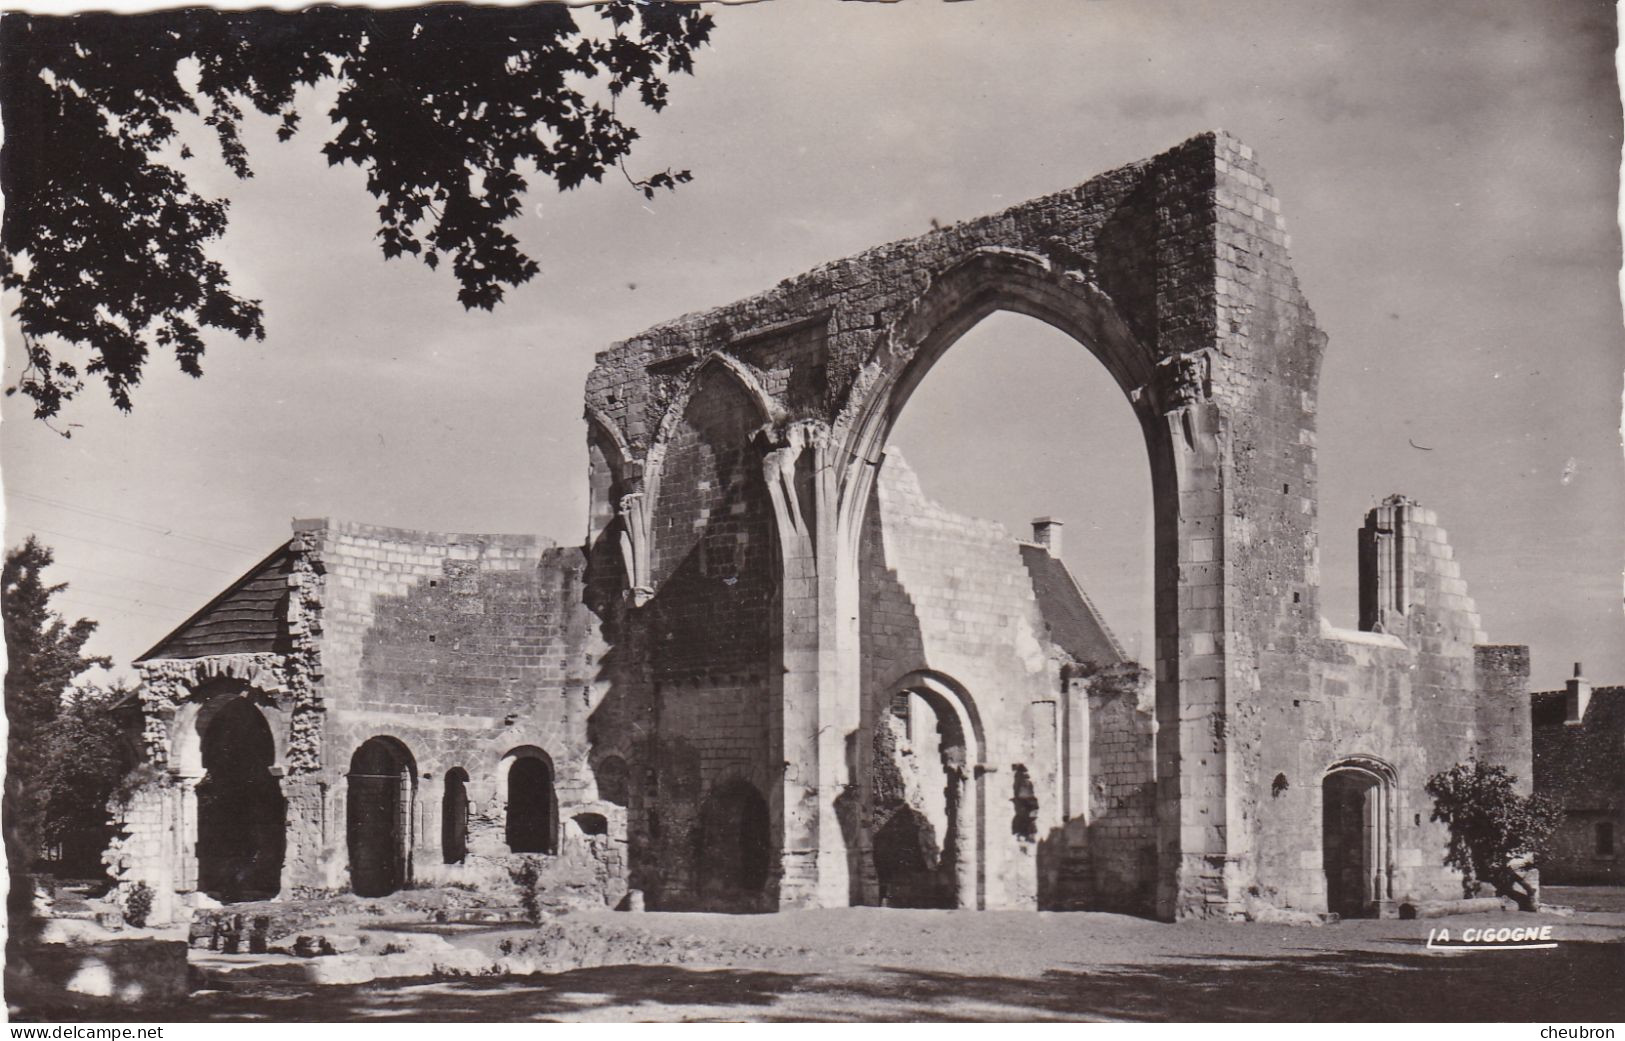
382, 793
734, 857
928, 846
592, 825
454, 816
1356, 807
533, 806
241, 812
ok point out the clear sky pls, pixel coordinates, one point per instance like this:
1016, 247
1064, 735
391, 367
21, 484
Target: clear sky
1448, 172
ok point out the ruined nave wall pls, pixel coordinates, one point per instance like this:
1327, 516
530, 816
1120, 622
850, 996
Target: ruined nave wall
1424, 693
467, 650
951, 595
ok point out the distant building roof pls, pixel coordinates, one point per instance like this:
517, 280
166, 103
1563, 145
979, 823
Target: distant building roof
1548, 708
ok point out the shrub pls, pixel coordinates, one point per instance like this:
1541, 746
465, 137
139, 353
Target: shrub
138, 905
1494, 831
528, 877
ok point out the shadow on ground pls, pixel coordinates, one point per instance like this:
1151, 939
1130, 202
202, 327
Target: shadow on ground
1578, 981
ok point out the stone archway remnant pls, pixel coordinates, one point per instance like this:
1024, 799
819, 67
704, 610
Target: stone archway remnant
241, 814
1174, 273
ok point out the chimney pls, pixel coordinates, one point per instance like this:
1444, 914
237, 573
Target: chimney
1047, 533
1576, 698
1387, 559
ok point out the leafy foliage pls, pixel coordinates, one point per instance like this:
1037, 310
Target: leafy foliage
528, 877
138, 905
44, 653
1493, 829
445, 107
85, 756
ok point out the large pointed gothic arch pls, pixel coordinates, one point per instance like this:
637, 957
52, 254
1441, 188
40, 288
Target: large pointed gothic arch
634, 478
985, 280
1174, 273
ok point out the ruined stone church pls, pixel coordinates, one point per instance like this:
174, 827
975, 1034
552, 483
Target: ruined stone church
777, 675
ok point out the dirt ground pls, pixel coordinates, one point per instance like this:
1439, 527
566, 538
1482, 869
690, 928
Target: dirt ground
891, 965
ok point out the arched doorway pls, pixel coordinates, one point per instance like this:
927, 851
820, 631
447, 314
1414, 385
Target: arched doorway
1355, 843
734, 853
454, 816
241, 813
928, 843
533, 805
382, 785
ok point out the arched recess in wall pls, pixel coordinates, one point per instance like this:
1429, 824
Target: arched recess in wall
701, 380
609, 471
1357, 826
380, 810
734, 847
241, 812
454, 816
610, 772
711, 532
930, 833
532, 802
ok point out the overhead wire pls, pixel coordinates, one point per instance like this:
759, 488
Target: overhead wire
134, 522
87, 602
133, 552
79, 590
129, 578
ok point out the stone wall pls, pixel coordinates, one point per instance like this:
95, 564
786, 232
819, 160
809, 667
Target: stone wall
764, 595
703, 676
1173, 272
1399, 705
462, 654
951, 596
1121, 811
471, 651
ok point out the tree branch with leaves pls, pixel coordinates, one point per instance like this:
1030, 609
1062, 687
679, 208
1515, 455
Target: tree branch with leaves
449, 109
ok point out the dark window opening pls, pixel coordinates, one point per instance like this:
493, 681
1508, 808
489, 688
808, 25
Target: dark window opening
1605, 838
532, 808
1024, 825
454, 816
592, 823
